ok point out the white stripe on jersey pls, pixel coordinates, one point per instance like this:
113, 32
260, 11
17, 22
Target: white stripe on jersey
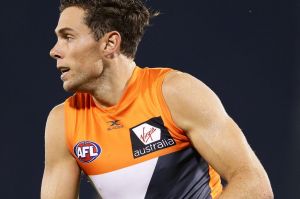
128, 183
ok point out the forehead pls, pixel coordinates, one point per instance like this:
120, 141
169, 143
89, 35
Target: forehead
72, 18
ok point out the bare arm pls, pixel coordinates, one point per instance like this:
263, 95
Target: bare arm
198, 111
61, 173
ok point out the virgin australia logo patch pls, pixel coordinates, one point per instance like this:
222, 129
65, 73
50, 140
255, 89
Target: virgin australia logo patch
87, 151
149, 137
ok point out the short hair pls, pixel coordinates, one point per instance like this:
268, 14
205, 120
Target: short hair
128, 17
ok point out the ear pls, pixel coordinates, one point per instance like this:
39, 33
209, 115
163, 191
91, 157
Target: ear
112, 44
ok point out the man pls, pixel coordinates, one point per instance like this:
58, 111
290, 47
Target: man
137, 133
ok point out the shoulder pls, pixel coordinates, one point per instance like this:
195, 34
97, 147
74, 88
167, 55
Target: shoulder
155, 72
190, 101
55, 122
177, 82
55, 141
58, 109
183, 87
57, 112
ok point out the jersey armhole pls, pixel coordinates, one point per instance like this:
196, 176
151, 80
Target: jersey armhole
166, 114
69, 123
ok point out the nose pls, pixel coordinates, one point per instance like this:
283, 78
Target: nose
55, 52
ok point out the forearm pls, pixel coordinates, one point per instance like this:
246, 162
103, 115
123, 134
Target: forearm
248, 185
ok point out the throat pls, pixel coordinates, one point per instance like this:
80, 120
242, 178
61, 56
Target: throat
113, 88
107, 99
108, 95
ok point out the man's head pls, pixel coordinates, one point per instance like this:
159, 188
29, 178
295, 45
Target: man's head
90, 33
128, 17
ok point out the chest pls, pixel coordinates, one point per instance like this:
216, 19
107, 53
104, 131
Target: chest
107, 142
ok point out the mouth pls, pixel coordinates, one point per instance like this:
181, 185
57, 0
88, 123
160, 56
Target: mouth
63, 69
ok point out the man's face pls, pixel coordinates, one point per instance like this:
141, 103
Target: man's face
77, 53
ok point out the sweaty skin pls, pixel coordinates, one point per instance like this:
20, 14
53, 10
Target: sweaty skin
98, 67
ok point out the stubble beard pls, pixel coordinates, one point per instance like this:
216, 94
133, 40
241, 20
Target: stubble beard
83, 83
74, 84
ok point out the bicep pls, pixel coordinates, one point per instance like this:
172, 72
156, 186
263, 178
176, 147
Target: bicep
61, 173
199, 112
224, 147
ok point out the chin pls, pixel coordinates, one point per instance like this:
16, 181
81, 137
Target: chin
69, 88
72, 88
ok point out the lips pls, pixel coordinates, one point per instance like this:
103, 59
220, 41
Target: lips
64, 71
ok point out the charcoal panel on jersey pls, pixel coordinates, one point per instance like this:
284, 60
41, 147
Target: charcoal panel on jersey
180, 175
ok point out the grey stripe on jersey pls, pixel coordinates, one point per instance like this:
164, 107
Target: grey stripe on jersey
180, 175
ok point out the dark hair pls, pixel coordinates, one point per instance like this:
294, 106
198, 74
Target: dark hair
128, 17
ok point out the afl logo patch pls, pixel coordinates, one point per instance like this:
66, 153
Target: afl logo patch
87, 151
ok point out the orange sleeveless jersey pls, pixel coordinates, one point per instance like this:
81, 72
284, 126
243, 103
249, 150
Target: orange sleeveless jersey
134, 149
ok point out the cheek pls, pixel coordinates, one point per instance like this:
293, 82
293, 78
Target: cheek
85, 54
84, 63
86, 59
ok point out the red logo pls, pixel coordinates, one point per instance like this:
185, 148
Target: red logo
147, 133
146, 136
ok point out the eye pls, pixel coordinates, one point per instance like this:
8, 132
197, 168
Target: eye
68, 37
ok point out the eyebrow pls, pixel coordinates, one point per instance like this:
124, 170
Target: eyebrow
63, 31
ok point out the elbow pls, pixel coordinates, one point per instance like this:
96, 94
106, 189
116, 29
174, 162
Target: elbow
271, 196
264, 190
268, 193
264, 186
253, 185
261, 191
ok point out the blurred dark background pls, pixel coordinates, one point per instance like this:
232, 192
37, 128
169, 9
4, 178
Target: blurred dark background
248, 52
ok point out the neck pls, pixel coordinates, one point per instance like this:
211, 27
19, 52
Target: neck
113, 82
